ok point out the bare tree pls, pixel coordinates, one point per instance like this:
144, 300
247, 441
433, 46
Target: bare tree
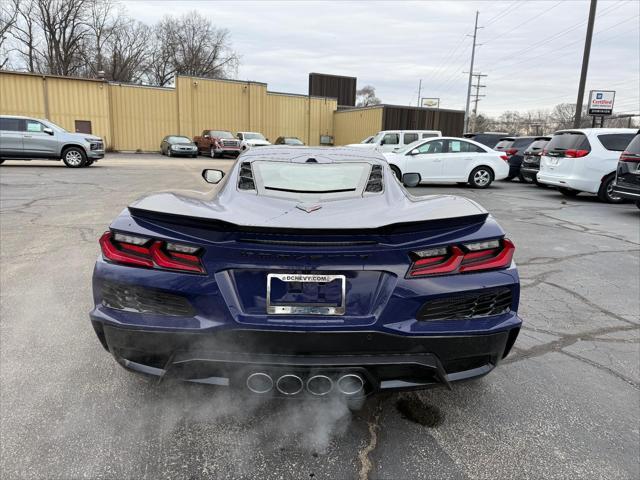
200, 49
8, 18
27, 34
160, 67
366, 96
127, 52
104, 19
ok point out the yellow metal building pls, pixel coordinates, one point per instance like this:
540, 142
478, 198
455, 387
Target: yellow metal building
136, 118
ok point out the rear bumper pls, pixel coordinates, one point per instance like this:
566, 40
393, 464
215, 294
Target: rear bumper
626, 192
529, 173
228, 356
571, 182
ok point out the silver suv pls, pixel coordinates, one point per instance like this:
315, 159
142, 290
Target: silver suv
24, 138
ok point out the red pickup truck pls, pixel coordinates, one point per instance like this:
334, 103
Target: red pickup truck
217, 143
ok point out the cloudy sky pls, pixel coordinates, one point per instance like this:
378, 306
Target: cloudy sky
531, 50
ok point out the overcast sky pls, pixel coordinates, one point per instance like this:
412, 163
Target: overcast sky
531, 50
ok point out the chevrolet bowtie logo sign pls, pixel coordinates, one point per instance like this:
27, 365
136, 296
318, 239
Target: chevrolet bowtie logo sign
309, 208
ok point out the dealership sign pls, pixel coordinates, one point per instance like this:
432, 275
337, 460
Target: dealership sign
430, 102
601, 102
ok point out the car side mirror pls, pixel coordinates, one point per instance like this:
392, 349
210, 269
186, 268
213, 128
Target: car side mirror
48, 130
382, 142
415, 151
212, 175
411, 179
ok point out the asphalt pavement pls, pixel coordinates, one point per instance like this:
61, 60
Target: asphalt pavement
564, 404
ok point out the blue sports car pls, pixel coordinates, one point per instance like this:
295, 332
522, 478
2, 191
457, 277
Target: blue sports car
307, 271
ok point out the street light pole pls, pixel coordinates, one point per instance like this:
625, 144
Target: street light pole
585, 64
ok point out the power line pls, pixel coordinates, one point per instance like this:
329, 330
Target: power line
502, 13
544, 12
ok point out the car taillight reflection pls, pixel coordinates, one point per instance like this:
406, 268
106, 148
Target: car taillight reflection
145, 252
571, 153
469, 257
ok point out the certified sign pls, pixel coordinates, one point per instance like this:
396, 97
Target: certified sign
430, 103
601, 102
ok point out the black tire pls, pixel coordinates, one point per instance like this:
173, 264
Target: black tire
508, 179
541, 185
637, 201
212, 152
568, 192
606, 194
89, 163
481, 177
168, 152
195, 155
396, 171
1, 161
74, 157
462, 184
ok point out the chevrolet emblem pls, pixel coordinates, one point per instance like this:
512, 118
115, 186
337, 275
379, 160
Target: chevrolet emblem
309, 208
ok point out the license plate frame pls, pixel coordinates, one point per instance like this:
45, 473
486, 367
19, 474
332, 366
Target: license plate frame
306, 308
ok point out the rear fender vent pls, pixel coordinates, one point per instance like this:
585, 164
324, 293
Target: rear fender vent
245, 179
144, 300
484, 303
374, 184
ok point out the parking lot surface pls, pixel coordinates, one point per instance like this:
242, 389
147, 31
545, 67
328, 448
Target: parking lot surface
565, 403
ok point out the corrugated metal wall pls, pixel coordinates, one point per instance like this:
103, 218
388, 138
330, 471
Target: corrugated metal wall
136, 118
449, 122
142, 116
354, 125
334, 86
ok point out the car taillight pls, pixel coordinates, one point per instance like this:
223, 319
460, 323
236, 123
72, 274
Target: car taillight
512, 151
467, 257
504, 157
629, 157
571, 153
133, 250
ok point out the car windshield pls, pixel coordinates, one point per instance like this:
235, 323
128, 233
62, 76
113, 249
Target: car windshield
377, 137
55, 127
313, 178
178, 139
221, 134
253, 136
292, 141
367, 140
410, 147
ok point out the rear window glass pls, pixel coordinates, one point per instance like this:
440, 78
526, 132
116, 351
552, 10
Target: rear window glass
410, 138
522, 142
634, 146
503, 144
569, 140
221, 134
11, 124
537, 145
314, 178
616, 141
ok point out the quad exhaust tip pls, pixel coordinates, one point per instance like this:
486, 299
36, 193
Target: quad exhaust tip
350, 384
289, 384
259, 382
319, 385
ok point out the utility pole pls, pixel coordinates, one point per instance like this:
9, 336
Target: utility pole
419, 91
477, 96
473, 54
585, 64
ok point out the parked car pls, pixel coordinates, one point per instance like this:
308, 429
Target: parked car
584, 160
369, 139
217, 143
288, 141
450, 160
627, 184
531, 159
25, 138
279, 282
514, 148
251, 139
490, 139
390, 140
178, 145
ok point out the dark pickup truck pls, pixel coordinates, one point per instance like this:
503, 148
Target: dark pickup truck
217, 143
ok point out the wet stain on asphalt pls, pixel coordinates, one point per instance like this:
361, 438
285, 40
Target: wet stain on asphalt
416, 410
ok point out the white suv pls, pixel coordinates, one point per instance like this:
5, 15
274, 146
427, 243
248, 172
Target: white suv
394, 140
252, 139
584, 160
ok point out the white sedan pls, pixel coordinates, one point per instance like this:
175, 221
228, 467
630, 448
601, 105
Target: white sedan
450, 160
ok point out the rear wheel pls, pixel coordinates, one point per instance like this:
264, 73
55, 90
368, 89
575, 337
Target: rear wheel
606, 193
74, 157
481, 177
568, 192
1, 161
89, 163
396, 172
637, 202
524, 179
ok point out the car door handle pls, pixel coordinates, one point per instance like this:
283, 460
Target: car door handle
27, 136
